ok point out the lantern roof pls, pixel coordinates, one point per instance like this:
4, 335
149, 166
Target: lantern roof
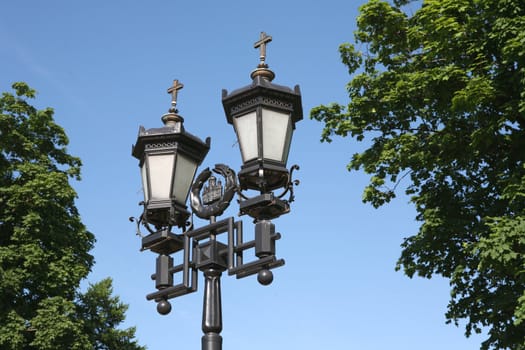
169, 136
262, 91
172, 134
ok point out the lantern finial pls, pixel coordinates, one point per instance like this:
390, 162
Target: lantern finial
173, 91
172, 118
262, 68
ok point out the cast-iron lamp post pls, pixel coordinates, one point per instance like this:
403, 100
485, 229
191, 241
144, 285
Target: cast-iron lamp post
263, 116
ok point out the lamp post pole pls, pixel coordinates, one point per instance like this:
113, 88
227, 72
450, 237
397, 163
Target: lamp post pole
263, 116
212, 310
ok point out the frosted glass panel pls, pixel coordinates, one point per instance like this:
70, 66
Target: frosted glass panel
144, 175
184, 173
160, 167
246, 129
277, 131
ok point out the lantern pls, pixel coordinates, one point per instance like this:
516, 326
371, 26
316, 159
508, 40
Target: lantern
263, 116
168, 159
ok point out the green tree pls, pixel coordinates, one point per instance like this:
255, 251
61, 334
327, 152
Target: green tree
44, 247
438, 97
101, 314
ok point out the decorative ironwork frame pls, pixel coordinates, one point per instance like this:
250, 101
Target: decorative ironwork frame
201, 248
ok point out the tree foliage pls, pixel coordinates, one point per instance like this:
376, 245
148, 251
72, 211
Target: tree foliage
438, 95
101, 313
44, 247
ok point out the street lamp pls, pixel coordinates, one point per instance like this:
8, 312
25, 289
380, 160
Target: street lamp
263, 116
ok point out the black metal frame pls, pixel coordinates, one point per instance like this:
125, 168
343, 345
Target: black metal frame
202, 251
197, 255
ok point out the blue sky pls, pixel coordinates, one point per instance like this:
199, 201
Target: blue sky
104, 66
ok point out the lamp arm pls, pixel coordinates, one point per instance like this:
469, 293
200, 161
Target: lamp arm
241, 195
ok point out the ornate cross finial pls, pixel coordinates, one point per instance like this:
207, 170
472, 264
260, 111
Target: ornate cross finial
173, 90
261, 44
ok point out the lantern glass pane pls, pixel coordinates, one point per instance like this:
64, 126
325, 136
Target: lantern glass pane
143, 174
184, 173
277, 134
160, 170
246, 129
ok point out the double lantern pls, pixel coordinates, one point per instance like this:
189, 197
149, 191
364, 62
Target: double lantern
263, 115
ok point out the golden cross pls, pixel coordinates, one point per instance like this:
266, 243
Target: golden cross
261, 44
173, 90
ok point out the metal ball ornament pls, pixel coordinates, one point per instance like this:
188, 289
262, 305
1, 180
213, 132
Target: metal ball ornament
265, 277
163, 307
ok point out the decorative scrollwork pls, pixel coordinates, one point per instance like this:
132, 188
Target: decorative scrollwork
215, 198
143, 220
268, 101
290, 185
288, 188
137, 221
159, 145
